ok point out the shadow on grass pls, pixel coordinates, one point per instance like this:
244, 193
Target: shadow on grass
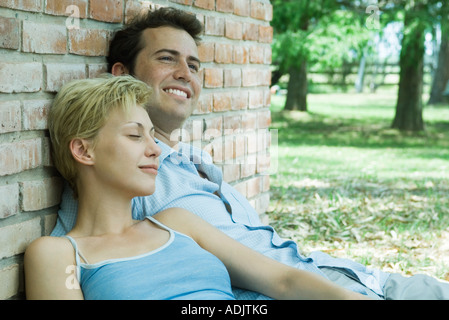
313, 129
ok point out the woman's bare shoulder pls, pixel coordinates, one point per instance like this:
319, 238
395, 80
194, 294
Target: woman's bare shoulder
49, 249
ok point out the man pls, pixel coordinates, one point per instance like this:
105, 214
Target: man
160, 48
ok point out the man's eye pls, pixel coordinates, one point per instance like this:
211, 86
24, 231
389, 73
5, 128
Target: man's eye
194, 67
134, 136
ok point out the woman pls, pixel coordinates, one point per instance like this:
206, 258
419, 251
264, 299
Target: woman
103, 145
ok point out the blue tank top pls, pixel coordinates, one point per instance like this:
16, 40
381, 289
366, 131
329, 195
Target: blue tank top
180, 269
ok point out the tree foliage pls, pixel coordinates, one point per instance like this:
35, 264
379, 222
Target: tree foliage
320, 32
327, 33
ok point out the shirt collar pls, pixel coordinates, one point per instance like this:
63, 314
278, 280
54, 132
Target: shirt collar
194, 154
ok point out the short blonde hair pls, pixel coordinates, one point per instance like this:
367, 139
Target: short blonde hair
80, 110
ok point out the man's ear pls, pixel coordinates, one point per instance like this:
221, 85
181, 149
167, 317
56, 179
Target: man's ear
82, 151
119, 69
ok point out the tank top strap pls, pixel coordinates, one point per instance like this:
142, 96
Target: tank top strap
160, 224
78, 254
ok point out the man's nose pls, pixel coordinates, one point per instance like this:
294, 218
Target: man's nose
183, 71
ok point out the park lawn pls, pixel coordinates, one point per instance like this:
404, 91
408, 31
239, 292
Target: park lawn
347, 184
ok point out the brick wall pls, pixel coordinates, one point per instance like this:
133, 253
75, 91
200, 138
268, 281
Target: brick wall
45, 43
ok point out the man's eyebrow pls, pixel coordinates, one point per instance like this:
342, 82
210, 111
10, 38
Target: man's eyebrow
176, 53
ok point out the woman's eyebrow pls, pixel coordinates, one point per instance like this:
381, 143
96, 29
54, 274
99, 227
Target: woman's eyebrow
141, 126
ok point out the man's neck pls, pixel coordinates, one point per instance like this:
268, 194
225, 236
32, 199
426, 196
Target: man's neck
165, 138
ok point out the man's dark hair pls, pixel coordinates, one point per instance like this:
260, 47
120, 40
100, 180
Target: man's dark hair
127, 43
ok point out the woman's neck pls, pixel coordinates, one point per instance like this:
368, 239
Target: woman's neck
101, 213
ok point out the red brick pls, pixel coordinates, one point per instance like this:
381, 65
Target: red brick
263, 162
239, 100
267, 55
10, 116
206, 51
250, 77
263, 140
24, 5
223, 53
222, 101
263, 119
256, 99
256, 54
9, 33
240, 148
95, 70
249, 121
106, 10
225, 6
44, 38
265, 77
214, 26
241, 188
20, 77
73, 8
88, 42
213, 127
233, 30
60, 73
261, 11
231, 124
204, 105
248, 167
217, 150
40, 194
135, 7
242, 7
185, 2
9, 200
231, 172
241, 54
35, 114
250, 31
213, 78
205, 4
253, 187
20, 156
265, 34
232, 77
16, 238
47, 160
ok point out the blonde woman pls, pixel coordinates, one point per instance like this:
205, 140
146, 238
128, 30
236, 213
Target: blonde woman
103, 145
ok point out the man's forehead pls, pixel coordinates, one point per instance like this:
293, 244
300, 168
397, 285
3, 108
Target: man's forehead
169, 38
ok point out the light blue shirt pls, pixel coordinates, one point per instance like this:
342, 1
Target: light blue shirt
178, 184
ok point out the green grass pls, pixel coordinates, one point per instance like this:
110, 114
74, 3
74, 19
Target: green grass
350, 185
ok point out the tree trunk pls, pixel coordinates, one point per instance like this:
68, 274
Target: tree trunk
409, 103
297, 88
441, 76
361, 73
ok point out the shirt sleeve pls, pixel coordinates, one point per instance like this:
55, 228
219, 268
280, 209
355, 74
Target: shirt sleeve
67, 213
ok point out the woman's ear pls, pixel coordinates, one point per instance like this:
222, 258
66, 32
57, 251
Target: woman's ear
119, 69
82, 151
